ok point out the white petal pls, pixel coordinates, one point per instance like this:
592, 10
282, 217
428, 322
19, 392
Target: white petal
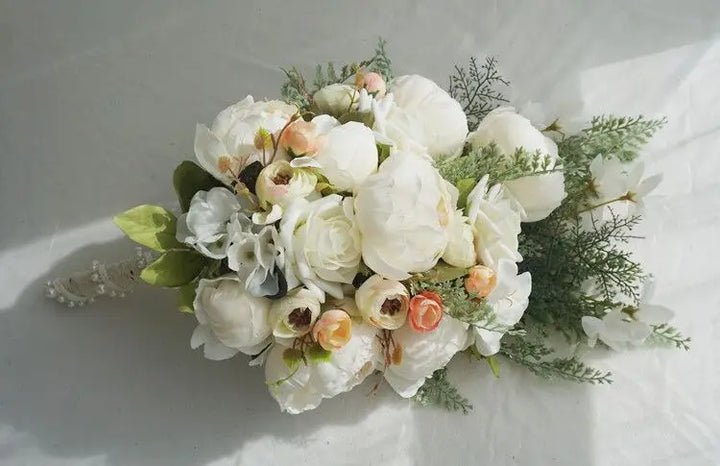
424, 353
208, 148
654, 315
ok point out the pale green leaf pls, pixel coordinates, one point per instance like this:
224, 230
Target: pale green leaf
151, 226
317, 353
442, 272
186, 298
174, 268
292, 357
464, 187
494, 365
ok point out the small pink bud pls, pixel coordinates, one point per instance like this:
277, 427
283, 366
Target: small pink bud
333, 329
300, 138
481, 281
373, 82
426, 312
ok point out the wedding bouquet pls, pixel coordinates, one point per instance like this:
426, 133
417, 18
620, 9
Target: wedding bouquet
356, 227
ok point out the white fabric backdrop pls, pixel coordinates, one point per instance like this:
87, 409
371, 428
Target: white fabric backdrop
98, 102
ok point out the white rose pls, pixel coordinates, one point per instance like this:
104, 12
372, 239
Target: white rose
383, 303
421, 111
205, 224
279, 184
322, 244
423, 353
508, 299
294, 315
310, 383
538, 195
336, 99
460, 251
497, 224
231, 142
403, 212
229, 318
348, 155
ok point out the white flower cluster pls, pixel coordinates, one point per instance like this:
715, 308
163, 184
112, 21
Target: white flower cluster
293, 240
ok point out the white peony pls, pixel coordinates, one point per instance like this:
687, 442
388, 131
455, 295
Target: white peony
231, 142
254, 255
460, 251
336, 99
508, 300
348, 155
306, 388
618, 190
497, 224
293, 315
423, 353
421, 115
229, 319
540, 194
403, 212
204, 226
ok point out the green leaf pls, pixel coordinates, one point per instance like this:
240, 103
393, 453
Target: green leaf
366, 118
188, 179
494, 366
292, 357
250, 174
186, 298
442, 272
383, 152
464, 186
174, 268
151, 226
317, 353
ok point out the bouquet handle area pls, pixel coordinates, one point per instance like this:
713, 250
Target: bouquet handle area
113, 280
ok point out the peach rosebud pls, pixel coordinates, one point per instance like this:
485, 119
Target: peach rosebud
332, 330
481, 281
426, 312
300, 137
373, 82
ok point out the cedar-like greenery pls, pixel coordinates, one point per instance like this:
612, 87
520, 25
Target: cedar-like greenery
478, 89
536, 358
438, 391
295, 89
488, 160
562, 255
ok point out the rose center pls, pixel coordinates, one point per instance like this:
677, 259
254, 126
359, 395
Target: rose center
300, 317
390, 307
281, 178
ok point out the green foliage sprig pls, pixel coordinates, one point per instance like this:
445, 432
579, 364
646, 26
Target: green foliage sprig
489, 160
668, 335
534, 356
477, 88
438, 391
295, 89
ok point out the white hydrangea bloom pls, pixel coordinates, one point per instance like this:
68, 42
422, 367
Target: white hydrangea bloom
204, 226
